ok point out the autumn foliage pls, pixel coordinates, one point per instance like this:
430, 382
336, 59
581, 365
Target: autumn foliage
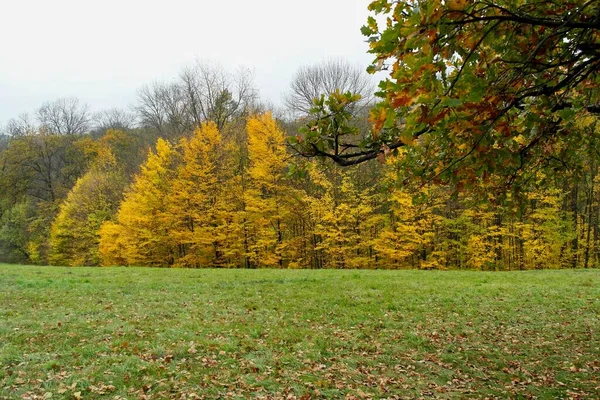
476, 91
238, 198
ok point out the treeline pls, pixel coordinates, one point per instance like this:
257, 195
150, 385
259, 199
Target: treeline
224, 189
230, 199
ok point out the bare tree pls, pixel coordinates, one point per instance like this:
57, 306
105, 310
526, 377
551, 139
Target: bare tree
113, 118
312, 81
174, 103
66, 116
20, 126
204, 91
213, 93
150, 108
163, 106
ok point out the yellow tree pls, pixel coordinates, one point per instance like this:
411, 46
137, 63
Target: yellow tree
399, 242
269, 198
545, 233
93, 200
233, 233
481, 238
345, 224
412, 236
326, 243
141, 233
199, 209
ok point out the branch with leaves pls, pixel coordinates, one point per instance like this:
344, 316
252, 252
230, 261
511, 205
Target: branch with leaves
472, 88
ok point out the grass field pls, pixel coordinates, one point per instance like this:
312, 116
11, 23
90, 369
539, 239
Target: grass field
166, 333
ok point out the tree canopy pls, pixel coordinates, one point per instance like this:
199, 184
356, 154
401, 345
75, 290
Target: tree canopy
477, 91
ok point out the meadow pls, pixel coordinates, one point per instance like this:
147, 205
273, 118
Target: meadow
121, 333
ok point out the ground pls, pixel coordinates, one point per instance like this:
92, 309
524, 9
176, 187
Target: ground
171, 333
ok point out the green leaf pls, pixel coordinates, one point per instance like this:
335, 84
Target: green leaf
390, 119
566, 114
476, 92
450, 102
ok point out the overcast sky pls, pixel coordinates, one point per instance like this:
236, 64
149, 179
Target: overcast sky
103, 51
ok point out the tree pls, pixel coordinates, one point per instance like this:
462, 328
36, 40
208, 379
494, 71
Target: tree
400, 240
204, 92
36, 173
214, 94
14, 232
344, 220
162, 106
43, 166
478, 91
269, 198
21, 126
140, 236
313, 81
94, 199
66, 116
198, 204
113, 118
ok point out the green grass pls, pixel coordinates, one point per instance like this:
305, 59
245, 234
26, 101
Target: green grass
168, 333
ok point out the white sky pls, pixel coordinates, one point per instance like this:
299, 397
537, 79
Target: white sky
103, 51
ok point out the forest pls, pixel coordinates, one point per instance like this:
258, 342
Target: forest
470, 154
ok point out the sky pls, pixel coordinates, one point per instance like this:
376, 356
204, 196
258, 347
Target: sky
103, 51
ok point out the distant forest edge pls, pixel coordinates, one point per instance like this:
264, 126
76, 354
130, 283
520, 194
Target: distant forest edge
201, 174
